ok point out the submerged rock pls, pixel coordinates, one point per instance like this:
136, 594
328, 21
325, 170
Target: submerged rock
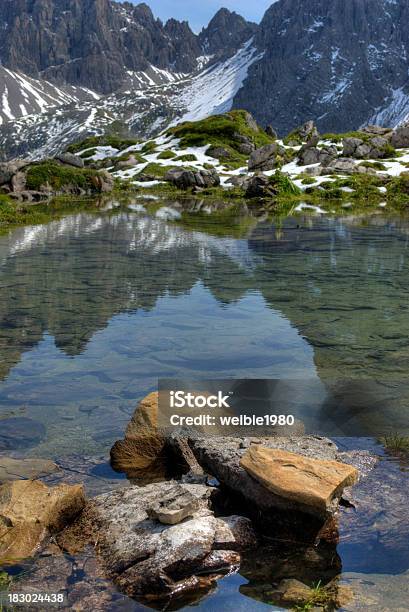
27, 469
154, 561
316, 484
30, 512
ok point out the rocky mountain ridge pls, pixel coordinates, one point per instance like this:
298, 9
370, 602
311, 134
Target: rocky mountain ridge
99, 65
343, 63
97, 43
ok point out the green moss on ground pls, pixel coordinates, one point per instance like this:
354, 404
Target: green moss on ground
376, 165
189, 157
167, 155
284, 184
307, 180
156, 170
221, 131
139, 158
5, 581
149, 147
398, 188
88, 153
106, 140
340, 137
58, 176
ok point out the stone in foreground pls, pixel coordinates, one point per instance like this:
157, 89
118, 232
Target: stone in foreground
150, 560
30, 512
311, 482
142, 453
222, 457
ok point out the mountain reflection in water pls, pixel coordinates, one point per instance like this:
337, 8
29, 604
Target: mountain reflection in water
130, 297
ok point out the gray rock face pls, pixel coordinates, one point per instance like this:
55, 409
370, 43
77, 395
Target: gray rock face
70, 160
9, 169
343, 165
312, 155
91, 43
94, 43
174, 507
218, 153
226, 32
400, 137
257, 186
374, 148
265, 158
147, 558
185, 179
333, 61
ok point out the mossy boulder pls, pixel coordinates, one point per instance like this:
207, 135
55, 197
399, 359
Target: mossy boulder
52, 177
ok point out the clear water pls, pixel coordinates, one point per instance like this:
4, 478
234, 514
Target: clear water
94, 308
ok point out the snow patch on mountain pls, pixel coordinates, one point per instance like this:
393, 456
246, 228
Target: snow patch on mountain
212, 91
395, 112
21, 95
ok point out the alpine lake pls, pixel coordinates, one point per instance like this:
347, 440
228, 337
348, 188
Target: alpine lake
98, 304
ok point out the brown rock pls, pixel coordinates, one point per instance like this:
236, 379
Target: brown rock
15, 469
142, 452
294, 592
313, 482
30, 511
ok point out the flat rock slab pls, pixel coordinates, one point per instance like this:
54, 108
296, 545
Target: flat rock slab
313, 482
25, 469
150, 560
221, 457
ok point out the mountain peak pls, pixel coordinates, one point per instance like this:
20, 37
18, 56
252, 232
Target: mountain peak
226, 32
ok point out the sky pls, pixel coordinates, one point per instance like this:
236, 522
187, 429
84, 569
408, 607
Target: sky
199, 12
